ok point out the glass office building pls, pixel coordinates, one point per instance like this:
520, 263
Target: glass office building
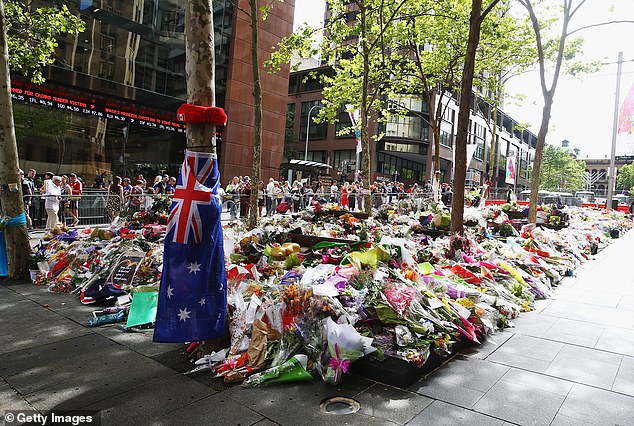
108, 104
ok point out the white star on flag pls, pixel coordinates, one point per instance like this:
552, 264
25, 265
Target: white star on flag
202, 301
194, 267
183, 314
170, 292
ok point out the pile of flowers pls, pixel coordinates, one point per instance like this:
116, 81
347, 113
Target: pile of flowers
379, 287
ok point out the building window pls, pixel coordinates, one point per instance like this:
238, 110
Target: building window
406, 127
317, 156
342, 156
315, 130
445, 139
343, 125
479, 152
412, 148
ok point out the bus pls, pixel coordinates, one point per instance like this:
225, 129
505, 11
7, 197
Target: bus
585, 197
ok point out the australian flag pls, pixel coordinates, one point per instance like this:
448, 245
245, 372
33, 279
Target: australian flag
192, 297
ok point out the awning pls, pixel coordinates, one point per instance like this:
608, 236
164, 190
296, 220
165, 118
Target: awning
311, 164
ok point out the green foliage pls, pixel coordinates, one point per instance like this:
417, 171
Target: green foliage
32, 32
561, 171
625, 178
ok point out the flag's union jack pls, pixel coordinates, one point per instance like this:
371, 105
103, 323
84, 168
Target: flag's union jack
185, 222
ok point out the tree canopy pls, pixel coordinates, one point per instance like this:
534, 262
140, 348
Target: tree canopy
625, 178
32, 32
561, 171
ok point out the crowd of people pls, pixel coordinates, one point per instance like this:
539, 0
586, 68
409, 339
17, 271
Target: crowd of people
58, 196
52, 200
283, 196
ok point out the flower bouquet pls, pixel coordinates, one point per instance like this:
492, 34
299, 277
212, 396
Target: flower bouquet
345, 345
293, 370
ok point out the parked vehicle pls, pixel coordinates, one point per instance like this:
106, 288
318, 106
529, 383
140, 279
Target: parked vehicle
585, 196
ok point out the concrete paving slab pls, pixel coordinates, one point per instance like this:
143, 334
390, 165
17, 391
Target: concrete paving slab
462, 381
140, 341
10, 399
152, 399
488, 346
533, 324
34, 327
575, 332
598, 406
618, 340
624, 382
611, 317
440, 413
561, 420
62, 350
292, 403
92, 385
223, 411
520, 404
570, 310
393, 404
538, 381
588, 366
530, 347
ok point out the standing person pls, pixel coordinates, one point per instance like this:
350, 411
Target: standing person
344, 197
170, 187
510, 195
352, 196
52, 194
245, 196
278, 193
232, 192
136, 196
75, 195
159, 185
27, 195
260, 198
42, 184
34, 205
64, 207
296, 196
140, 178
334, 192
270, 196
114, 200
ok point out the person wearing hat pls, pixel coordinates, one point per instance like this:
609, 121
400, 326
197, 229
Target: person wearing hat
52, 194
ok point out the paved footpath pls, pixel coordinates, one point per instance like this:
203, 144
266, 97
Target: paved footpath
570, 362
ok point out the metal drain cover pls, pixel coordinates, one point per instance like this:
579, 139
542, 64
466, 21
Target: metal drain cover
339, 405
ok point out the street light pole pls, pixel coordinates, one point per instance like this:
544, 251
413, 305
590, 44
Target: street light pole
611, 171
308, 129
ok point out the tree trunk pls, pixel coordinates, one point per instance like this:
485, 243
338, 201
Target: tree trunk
17, 238
460, 165
365, 138
537, 163
493, 168
199, 70
257, 99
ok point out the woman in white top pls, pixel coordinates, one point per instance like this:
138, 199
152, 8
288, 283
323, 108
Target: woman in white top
52, 193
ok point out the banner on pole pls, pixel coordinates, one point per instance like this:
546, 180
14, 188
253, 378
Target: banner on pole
354, 119
510, 170
626, 114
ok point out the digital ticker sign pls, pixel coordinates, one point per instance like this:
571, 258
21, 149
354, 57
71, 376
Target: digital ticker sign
56, 97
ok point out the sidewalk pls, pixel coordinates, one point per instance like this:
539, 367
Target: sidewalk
570, 362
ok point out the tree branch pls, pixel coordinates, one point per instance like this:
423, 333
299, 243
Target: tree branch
600, 25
